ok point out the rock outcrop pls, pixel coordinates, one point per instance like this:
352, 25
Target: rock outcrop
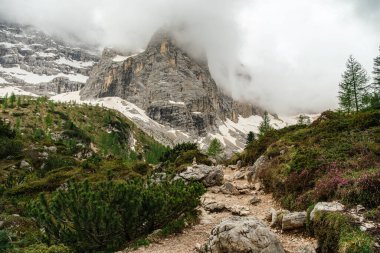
40, 63
208, 175
242, 235
174, 89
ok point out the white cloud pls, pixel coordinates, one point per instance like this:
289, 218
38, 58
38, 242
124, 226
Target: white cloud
294, 50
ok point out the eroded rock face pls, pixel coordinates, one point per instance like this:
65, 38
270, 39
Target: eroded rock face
174, 89
208, 175
242, 235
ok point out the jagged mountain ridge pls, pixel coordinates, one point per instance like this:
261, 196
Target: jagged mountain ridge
41, 63
173, 89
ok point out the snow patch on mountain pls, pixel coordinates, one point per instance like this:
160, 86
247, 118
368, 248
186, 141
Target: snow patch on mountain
8, 90
229, 133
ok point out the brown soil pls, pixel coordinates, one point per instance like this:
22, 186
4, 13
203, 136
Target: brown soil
198, 234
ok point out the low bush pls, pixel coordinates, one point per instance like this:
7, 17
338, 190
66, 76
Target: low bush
364, 190
172, 154
107, 215
43, 248
336, 233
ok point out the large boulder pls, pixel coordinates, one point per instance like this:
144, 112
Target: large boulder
208, 175
326, 207
242, 235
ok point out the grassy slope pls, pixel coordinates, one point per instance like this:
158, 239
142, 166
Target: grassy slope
337, 157
67, 141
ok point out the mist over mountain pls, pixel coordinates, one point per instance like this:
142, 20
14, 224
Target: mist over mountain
255, 58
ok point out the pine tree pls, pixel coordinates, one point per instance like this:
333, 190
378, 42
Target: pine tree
303, 120
353, 88
12, 99
376, 76
18, 101
215, 148
265, 125
250, 137
5, 102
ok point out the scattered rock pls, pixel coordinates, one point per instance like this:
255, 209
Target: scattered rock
273, 220
242, 235
239, 210
327, 207
244, 191
155, 236
208, 175
360, 208
257, 186
238, 164
214, 206
51, 149
254, 200
232, 167
228, 188
293, 220
24, 165
306, 249
238, 175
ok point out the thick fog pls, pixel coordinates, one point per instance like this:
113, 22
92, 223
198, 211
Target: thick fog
286, 56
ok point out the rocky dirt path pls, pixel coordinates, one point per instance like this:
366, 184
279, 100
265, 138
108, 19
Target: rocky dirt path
198, 234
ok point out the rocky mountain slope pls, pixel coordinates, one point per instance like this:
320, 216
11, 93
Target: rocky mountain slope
40, 63
175, 91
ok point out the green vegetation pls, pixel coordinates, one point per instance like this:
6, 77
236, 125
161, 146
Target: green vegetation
45, 145
265, 125
250, 137
181, 156
336, 157
106, 216
337, 234
215, 148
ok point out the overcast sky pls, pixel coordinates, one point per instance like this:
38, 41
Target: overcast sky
294, 50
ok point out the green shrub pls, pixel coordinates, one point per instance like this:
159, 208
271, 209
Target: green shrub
56, 161
38, 134
106, 215
9, 147
364, 190
187, 157
43, 248
336, 233
5, 243
172, 154
140, 167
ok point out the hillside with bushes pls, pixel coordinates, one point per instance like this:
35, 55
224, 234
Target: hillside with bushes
335, 158
76, 178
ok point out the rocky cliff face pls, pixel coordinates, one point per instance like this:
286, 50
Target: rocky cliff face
41, 63
172, 88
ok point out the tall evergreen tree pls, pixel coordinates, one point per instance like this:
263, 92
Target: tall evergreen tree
250, 137
353, 87
265, 125
376, 75
215, 148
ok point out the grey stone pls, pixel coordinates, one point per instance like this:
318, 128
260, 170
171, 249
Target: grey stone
254, 200
214, 206
228, 188
326, 207
208, 175
239, 210
242, 235
293, 220
306, 249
